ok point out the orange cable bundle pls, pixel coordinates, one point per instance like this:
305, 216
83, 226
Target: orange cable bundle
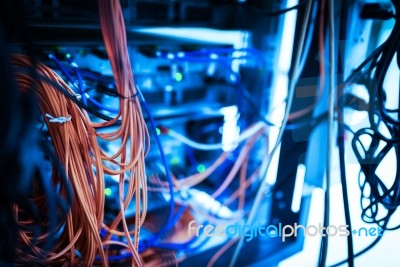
76, 142
132, 127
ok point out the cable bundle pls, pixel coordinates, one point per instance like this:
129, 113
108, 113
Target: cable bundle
251, 135
76, 141
132, 125
379, 200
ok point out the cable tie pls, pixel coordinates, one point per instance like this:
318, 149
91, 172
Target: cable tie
133, 95
58, 119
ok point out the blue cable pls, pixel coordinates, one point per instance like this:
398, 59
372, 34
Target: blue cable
81, 85
63, 70
98, 77
144, 244
171, 246
102, 107
83, 95
169, 224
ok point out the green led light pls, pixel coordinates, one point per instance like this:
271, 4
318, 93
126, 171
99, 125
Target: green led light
175, 160
178, 76
201, 168
158, 131
68, 55
107, 192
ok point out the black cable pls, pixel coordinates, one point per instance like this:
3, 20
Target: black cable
388, 53
310, 35
304, 57
341, 134
373, 189
373, 57
273, 13
377, 92
326, 218
343, 179
378, 202
368, 248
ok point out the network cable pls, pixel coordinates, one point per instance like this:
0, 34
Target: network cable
331, 110
341, 137
264, 184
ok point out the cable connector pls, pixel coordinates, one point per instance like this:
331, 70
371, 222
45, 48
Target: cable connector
58, 119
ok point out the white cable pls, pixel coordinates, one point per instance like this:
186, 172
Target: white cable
264, 183
200, 146
58, 119
331, 110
